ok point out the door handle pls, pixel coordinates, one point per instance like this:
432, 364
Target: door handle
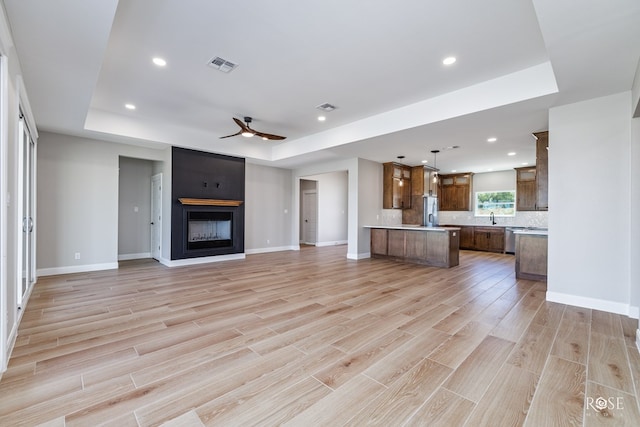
27, 224
152, 223
306, 220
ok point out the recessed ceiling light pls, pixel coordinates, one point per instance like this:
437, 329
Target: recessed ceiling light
321, 118
489, 170
449, 60
512, 153
424, 161
525, 163
129, 106
454, 170
492, 139
159, 62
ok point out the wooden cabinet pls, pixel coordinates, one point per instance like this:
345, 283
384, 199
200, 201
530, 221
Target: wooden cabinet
395, 243
489, 239
531, 257
396, 186
455, 192
378, 241
542, 170
526, 189
438, 248
467, 237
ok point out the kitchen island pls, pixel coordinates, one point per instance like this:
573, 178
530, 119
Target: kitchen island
531, 254
432, 246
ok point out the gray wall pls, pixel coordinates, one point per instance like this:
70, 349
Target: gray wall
77, 201
333, 199
590, 195
268, 209
134, 208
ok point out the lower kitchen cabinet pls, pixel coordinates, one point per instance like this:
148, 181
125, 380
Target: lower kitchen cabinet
466, 237
531, 256
433, 247
489, 239
378, 241
479, 238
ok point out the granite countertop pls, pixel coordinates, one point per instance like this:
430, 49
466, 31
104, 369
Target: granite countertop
412, 227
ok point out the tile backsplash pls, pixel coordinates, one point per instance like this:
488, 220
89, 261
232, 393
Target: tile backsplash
522, 219
390, 217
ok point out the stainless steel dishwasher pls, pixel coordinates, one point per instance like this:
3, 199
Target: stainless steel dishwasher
510, 239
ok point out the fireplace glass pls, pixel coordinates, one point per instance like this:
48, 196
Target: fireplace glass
209, 230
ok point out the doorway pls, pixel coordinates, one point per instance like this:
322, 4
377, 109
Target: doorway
309, 218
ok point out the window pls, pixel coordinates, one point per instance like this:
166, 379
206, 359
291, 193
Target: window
500, 203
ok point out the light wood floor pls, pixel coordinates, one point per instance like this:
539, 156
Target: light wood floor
310, 338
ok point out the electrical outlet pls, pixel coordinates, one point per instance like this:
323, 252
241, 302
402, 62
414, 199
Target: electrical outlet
77, 255
268, 241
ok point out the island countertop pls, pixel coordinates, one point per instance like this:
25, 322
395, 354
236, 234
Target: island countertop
413, 227
432, 246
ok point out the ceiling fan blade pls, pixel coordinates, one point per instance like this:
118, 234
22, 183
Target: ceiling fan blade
244, 127
229, 136
269, 136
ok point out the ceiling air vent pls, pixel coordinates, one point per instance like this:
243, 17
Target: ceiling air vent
326, 107
222, 64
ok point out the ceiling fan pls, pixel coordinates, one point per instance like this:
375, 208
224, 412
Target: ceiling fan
245, 130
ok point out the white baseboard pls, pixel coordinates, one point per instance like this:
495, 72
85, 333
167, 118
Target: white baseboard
273, 249
200, 260
331, 243
593, 303
77, 269
128, 257
359, 256
638, 339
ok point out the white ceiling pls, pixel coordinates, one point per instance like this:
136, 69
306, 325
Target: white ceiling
380, 62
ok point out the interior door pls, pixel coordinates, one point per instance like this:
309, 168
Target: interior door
156, 216
309, 217
26, 259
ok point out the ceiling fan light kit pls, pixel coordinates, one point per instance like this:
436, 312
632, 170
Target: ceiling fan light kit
246, 131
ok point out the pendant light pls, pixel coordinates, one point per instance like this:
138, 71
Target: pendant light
435, 173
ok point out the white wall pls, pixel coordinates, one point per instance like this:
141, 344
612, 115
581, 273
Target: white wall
635, 214
333, 198
78, 202
589, 198
134, 208
268, 209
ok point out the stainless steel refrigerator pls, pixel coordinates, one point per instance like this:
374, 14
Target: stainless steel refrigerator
430, 211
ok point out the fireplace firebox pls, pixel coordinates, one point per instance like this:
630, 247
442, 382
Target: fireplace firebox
207, 230
210, 231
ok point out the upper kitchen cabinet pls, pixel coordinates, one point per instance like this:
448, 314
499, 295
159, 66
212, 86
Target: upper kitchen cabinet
526, 189
455, 192
396, 186
542, 170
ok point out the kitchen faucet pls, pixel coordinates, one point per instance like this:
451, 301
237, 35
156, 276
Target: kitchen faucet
492, 218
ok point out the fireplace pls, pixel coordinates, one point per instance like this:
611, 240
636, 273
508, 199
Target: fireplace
206, 230
210, 229
207, 208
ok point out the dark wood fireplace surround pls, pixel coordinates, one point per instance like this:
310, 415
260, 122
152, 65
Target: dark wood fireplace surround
207, 198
